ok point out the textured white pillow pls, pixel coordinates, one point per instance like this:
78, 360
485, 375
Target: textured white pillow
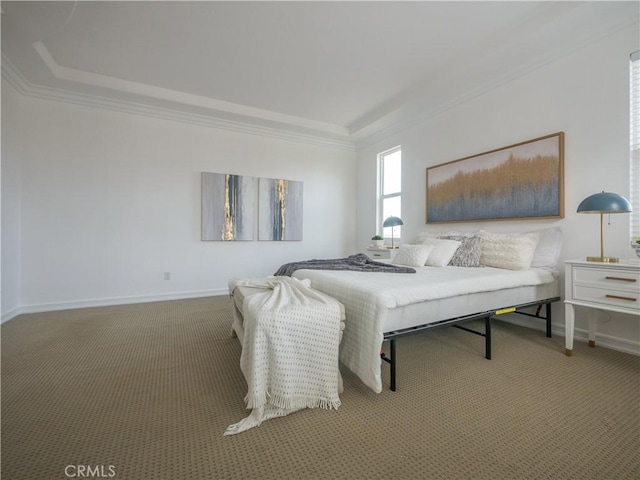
412, 255
468, 253
512, 251
547, 252
442, 252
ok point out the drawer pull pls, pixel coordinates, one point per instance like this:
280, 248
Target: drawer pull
617, 297
632, 280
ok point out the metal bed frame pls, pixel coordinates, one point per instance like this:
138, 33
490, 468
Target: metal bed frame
392, 336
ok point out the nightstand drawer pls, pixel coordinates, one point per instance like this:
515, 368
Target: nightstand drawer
607, 296
379, 254
607, 278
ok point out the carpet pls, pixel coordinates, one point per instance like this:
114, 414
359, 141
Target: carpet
145, 391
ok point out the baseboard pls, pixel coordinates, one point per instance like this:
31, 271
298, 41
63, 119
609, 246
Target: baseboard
579, 334
105, 302
614, 343
6, 316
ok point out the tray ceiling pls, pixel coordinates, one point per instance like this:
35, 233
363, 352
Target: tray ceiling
335, 71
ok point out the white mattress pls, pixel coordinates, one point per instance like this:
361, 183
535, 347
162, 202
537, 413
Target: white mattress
378, 303
453, 307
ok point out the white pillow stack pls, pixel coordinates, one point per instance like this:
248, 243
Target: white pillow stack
412, 255
442, 252
513, 251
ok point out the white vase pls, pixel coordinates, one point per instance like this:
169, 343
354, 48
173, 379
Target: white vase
636, 247
378, 243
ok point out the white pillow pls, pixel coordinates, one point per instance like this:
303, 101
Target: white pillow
547, 252
412, 255
512, 251
442, 252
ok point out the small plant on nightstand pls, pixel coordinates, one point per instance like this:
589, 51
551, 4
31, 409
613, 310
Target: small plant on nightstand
378, 241
635, 244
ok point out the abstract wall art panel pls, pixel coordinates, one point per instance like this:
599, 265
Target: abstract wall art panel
525, 180
279, 209
228, 206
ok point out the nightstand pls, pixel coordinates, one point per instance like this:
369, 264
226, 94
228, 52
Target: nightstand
381, 254
600, 286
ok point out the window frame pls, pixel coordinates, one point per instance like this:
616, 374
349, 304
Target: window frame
634, 143
381, 197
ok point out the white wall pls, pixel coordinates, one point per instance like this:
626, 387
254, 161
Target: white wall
97, 205
586, 95
111, 201
11, 200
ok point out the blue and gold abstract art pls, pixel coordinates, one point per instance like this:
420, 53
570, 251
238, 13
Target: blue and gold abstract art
228, 206
280, 209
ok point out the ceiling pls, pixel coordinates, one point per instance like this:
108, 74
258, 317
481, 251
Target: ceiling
340, 72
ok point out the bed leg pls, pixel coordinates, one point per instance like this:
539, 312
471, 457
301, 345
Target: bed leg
392, 364
487, 338
548, 320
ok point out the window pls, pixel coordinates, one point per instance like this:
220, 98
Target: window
390, 189
634, 145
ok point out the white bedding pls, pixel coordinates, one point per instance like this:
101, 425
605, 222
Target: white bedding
368, 297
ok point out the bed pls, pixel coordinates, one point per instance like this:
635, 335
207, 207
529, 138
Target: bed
384, 306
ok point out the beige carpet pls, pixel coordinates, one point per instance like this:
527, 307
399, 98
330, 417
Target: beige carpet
146, 391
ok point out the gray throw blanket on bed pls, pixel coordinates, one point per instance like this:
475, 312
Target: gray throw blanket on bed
358, 262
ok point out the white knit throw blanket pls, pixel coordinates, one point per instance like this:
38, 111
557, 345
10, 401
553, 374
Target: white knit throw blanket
289, 350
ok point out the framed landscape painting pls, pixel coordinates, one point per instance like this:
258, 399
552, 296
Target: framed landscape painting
279, 209
525, 180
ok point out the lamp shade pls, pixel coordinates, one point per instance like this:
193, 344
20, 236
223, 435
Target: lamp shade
605, 202
392, 222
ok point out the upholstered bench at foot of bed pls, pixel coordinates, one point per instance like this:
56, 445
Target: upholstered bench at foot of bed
238, 296
237, 329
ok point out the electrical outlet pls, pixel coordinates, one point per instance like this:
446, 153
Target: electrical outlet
167, 275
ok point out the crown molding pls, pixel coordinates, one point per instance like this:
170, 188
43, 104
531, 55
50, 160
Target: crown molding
191, 109
12, 75
182, 98
421, 109
251, 126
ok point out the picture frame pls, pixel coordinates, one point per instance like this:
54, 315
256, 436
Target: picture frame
520, 181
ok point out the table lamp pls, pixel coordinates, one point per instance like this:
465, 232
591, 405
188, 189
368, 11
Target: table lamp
605, 202
392, 222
